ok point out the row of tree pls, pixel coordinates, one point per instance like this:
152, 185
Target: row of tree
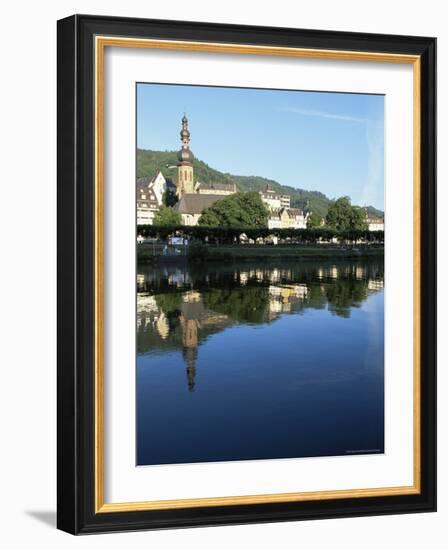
230, 235
248, 210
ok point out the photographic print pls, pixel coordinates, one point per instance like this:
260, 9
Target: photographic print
246, 244
260, 274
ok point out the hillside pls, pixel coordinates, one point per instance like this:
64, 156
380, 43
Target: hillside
150, 162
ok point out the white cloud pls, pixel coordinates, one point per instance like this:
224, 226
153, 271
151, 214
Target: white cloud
322, 114
372, 187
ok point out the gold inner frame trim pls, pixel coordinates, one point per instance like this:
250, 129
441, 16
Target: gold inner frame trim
101, 42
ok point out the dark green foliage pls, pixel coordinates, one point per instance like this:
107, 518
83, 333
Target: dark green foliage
247, 305
198, 251
345, 294
167, 216
169, 198
230, 235
169, 302
345, 217
314, 220
150, 162
238, 210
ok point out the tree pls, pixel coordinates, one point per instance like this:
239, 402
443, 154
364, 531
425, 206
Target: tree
167, 216
313, 221
343, 216
238, 210
169, 198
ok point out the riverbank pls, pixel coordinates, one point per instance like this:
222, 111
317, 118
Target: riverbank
228, 253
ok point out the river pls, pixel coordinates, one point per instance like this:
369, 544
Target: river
259, 361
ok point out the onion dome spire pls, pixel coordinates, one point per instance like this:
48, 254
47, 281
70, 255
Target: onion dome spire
185, 155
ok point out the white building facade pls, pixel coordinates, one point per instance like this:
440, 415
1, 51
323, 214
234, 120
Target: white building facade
150, 192
375, 224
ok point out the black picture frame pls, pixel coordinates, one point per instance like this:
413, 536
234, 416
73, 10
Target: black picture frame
76, 257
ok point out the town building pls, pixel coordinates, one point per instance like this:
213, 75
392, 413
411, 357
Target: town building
150, 193
274, 200
281, 215
274, 220
293, 218
287, 218
285, 201
215, 188
374, 223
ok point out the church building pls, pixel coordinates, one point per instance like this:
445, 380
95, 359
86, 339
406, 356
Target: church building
195, 196
185, 181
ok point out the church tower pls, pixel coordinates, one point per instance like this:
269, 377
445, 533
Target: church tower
185, 181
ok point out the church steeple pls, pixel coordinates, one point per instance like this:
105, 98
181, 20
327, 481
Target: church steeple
185, 181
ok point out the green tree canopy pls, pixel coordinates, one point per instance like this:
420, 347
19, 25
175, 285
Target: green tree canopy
169, 198
167, 216
343, 216
314, 220
238, 210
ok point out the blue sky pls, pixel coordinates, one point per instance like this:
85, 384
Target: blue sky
328, 142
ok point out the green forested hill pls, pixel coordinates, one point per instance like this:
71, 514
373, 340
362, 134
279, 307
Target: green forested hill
150, 162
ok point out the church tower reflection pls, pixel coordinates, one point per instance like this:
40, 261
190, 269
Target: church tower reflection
190, 348
183, 308
190, 355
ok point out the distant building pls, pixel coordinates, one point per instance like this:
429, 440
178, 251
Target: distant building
215, 188
374, 223
287, 218
285, 201
150, 192
281, 215
274, 220
274, 200
294, 218
270, 198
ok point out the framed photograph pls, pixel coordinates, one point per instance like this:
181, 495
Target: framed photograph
246, 274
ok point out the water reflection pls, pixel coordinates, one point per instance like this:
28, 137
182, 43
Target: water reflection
179, 308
